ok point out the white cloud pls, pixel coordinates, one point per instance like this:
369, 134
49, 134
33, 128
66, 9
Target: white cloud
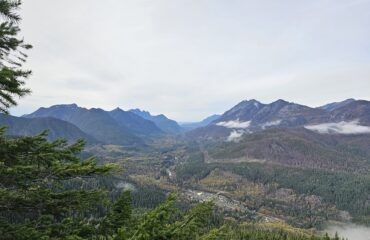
234, 124
270, 124
235, 136
125, 186
339, 128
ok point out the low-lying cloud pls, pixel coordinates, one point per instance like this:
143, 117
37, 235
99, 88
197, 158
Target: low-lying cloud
350, 231
234, 124
235, 136
125, 186
352, 127
270, 124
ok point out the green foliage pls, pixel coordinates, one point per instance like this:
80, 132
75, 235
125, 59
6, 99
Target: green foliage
12, 57
194, 167
34, 176
120, 214
168, 222
261, 233
38, 201
7, 9
346, 191
215, 234
148, 196
299, 148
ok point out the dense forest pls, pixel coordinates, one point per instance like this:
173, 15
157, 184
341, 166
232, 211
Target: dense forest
347, 191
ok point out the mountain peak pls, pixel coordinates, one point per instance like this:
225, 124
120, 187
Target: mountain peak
95, 122
72, 105
251, 101
139, 111
117, 109
164, 123
280, 101
335, 105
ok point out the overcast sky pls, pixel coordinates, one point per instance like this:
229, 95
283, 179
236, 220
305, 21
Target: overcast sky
192, 58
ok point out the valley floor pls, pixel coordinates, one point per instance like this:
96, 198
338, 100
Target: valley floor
245, 190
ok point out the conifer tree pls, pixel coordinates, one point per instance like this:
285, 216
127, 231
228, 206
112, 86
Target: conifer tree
36, 200
12, 56
34, 185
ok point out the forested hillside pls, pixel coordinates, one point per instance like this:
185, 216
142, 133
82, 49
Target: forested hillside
297, 147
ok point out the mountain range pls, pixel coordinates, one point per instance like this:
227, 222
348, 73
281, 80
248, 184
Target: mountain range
332, 106
333, 137
136, 127
349, 116
20, 126
119, 127
95, 122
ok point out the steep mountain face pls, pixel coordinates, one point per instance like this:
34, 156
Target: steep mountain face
162, 122
243, 111
347, 117
187, 126
135, 123
354, 111
95, 122
288, 114
251, 116
259, 115
19, 126
333, 106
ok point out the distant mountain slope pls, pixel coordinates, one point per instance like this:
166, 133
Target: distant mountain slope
335, 105
210, 119
135, 123
355, 110
347, 117
243, 111
19, 126
298, 147
187, 126
165, 124
95, 122
288, 114
251, 116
